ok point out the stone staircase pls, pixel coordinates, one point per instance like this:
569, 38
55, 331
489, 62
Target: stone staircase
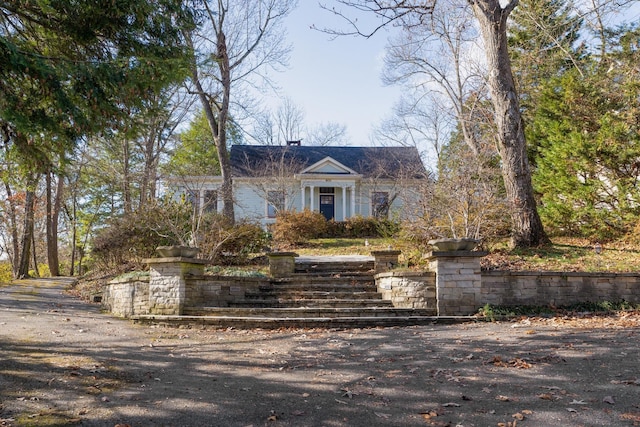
325, 293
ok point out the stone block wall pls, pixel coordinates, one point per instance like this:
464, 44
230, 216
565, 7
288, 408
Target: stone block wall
408, 289
218, 291
127, 296
130, 296
556, 288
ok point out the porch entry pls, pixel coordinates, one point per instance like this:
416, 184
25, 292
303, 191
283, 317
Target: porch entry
327, 202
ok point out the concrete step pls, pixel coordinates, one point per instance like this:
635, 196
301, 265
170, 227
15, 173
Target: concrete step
327, 278
321, 290
308, 303
303, 294
338, 267
308, 312
242, 322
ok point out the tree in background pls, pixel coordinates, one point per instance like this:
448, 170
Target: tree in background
435, 61
194, 152
544, 41
491, 17
587, 126
70, 70
234, 41
287, 123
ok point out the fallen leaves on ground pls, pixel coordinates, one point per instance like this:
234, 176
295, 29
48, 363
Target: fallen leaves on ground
516, 362
631, 416
430, 417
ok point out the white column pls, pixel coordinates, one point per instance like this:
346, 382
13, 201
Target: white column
302, 203
353, 200
312, 190
344, 202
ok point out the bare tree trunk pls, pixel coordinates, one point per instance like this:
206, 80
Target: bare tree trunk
34, 254
126, 177
221, 142
527, 226
218, 124
13, 225
28, 230
53, 214
147, 186
74, 235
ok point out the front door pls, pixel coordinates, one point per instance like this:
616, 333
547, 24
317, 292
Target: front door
327, 206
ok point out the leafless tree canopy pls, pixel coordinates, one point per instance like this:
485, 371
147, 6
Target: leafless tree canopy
391, 12
235, 44
491, 18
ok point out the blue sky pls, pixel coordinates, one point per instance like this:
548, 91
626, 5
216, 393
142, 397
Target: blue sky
335, 80
339, 80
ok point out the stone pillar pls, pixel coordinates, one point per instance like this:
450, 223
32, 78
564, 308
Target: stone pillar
167, 286
458, 281
282, 264
385, 260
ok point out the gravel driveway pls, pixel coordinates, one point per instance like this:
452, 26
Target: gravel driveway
65, 363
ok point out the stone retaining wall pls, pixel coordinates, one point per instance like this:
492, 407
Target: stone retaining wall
555, 288
127, 296
218, 291
455, 286
408, 289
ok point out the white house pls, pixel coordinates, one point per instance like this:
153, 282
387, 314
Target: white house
339, 182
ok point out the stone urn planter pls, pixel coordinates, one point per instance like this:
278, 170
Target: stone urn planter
452, 245
175, 251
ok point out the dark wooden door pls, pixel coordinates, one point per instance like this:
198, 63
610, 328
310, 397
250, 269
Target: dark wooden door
327, 202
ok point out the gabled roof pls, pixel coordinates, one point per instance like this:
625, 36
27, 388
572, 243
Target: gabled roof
370, 162
329, 166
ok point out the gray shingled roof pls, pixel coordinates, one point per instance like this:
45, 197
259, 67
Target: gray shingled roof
379, 162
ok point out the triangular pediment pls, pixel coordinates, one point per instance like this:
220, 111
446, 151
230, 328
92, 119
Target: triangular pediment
329, 166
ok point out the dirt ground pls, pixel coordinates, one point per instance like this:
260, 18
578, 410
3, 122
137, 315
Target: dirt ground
65, 363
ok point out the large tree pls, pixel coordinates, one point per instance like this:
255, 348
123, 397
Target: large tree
236, 42
74, 68
492, 19
527, 227
79, 63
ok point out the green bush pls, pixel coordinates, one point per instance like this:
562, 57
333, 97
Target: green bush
296, 228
